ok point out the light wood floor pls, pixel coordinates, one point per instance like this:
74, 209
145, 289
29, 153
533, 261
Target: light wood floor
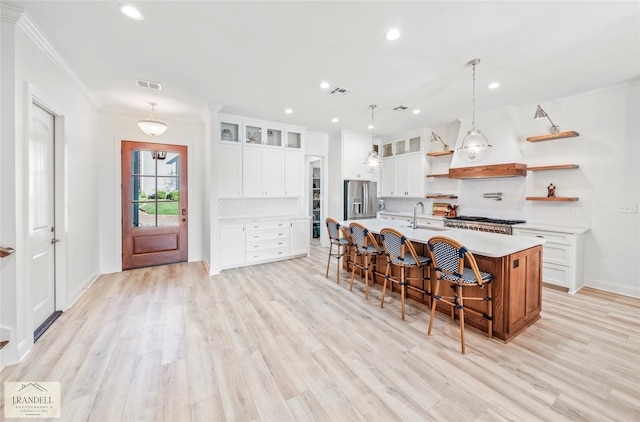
281, 342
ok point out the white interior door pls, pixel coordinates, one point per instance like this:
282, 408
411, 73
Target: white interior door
41, 215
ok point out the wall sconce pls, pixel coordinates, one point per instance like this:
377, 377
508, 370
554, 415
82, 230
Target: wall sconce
541, 114
158, 155
435, 137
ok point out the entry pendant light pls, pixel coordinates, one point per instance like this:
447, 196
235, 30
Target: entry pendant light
474, 145
152, 126
373, 163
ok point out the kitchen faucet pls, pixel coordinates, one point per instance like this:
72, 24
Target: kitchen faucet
415, 207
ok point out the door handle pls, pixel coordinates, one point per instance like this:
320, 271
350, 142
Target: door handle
54, 241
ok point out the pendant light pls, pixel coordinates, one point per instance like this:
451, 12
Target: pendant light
152, 126
474, 145
373, 163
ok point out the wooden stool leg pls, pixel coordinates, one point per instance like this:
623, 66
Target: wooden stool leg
353, 271
490, 311
329, 260
366, 276
402, 287
434, 305
384, 285
461, 316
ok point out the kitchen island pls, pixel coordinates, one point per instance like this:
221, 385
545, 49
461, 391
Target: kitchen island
515, 263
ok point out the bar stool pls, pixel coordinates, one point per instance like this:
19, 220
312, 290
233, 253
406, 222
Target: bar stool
401, 253
338, 236
449, 258
366, 250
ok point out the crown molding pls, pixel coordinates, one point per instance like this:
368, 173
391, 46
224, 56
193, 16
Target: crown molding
30, 29
10, 14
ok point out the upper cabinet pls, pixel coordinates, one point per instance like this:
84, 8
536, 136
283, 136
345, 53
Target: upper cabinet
404, 165
259, 158
355, 148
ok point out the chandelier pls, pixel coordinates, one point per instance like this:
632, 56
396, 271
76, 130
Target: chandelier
152, 126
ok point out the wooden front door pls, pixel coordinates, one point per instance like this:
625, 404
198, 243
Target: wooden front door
154, 204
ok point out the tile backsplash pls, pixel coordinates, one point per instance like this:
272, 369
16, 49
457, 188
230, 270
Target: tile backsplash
512, 206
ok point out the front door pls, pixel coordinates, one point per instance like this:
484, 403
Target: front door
154, 204
42, 280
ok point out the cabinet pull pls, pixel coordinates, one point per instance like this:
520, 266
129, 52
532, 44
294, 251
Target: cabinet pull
540, 236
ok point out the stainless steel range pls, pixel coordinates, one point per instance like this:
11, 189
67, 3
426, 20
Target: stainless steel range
481, 224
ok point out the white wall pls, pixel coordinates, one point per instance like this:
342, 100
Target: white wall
113, 129
32, 71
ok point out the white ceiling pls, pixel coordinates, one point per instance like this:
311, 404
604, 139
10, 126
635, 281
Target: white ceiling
258, 58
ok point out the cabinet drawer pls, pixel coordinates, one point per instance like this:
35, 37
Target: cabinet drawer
550, 237
262, 245
556, 274
267, 225
553, 253
267, 254
253, 236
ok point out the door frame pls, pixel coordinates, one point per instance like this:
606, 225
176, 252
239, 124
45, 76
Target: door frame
35, 96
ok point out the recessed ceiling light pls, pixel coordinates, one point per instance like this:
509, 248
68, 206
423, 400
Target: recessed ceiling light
324, 85
335, 120
131, 12
288, 111
392, 35
416, 111
494, 85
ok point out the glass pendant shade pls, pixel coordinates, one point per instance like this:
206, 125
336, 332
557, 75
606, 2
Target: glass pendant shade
474, 146
373, 163
152, 126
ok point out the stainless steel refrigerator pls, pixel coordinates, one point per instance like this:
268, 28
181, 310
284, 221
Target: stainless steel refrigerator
360, 199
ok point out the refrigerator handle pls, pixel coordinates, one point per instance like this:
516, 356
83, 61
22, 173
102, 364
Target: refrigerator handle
365, 198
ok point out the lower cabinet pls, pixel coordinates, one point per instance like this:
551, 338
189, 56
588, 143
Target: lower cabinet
262, 241
562, 257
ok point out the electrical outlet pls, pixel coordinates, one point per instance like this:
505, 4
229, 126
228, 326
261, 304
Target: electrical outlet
628, 208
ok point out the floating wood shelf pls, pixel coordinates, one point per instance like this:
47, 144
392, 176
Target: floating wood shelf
552, 199
552, 136
556, 167
438, 175
439, 153
495, 170
441, 196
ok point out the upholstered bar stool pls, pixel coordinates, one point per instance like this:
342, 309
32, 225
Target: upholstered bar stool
401, 253
366, 251
340, 237
456, 266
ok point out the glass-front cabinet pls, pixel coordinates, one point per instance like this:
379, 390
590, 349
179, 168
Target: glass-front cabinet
294, 139
230, 131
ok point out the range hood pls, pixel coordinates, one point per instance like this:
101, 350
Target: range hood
491, 170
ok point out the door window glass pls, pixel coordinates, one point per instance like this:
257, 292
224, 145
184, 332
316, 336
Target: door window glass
155, 188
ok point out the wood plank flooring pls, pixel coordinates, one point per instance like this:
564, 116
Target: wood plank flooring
281, 342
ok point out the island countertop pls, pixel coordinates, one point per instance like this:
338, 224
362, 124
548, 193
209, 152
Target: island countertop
479, 243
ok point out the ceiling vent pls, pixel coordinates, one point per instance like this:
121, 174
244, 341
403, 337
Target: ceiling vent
339, 92
401, 108
148, 84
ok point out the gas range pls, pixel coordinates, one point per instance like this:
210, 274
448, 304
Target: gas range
482, 224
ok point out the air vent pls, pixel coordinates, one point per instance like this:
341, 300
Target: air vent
339, 92
148, 84
401, 108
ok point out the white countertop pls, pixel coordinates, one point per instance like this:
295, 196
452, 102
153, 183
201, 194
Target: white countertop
262, 219
487, 244
410, 215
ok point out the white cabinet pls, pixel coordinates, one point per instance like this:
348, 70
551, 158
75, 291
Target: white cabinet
229, 164
232, 245
262, 170
562, 257
299, 237
266, 241
409, 175
294, 173
387, 177
355, 148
